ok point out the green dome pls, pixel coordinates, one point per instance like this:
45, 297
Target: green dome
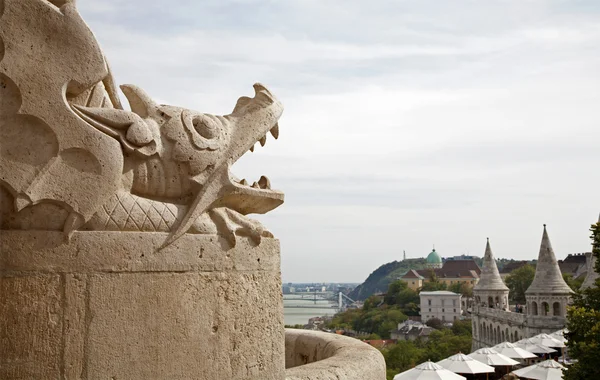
434, 258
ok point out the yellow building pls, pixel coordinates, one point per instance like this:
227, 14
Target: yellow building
451, 272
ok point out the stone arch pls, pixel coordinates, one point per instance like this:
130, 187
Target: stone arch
511, 337
556, 309
544, 308
490, 302
502, 336
534, 308
517, 336
497, 304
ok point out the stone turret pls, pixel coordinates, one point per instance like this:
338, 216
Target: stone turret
490, 291
548, 294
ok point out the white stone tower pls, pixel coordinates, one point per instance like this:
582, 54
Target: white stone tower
490, 291
548, 294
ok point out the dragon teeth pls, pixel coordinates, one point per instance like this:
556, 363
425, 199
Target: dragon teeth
264, 182
263, 140
244, 182
255, 185
252, 148
275, 131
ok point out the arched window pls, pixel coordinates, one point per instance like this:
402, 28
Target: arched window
502, 337
545, 308
490, 302
534, 310
512, 337
556, 309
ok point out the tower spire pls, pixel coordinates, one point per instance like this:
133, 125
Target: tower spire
548, 278
490, 277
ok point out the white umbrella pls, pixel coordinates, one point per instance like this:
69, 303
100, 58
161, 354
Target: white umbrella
490, 356
529, 345
546, 370
428, 371
461, 363
547, 340
560, 335
512, 351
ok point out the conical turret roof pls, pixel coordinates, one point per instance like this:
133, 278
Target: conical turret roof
548, 278
490, 279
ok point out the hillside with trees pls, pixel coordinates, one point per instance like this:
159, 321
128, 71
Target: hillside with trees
382, 277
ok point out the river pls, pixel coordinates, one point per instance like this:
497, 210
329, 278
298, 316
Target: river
300, 315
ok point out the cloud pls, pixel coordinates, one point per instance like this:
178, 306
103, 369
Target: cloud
406, 123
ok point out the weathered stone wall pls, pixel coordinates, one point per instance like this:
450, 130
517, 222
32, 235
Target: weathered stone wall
108, 305
312, 355
494, 326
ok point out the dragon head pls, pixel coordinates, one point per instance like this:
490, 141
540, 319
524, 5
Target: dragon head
201, 147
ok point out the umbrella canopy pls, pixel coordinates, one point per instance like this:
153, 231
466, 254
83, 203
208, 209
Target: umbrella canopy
461, 363
512, 351
546, 370
547, 340
428, 371
490, 356
560, 335
529, 345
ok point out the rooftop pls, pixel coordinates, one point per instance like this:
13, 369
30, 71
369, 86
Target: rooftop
434, 257
439, 293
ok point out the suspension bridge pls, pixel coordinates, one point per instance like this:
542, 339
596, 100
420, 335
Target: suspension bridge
338, 301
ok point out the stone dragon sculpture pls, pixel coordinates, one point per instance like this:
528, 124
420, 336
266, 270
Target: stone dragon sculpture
72, 158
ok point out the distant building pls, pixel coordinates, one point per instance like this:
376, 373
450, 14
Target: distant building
451, 272
411, 330
459, 271
434, 260
461, 257
413, 279
575, 264
441, 304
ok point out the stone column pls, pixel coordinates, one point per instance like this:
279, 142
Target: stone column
109, 305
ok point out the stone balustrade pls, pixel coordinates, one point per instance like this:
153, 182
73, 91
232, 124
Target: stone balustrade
312, 355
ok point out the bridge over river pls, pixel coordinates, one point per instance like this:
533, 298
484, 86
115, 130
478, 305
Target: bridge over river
338, 301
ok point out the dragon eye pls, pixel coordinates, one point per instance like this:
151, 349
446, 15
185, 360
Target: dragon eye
205, 127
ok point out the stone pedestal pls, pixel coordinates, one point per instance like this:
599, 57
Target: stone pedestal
108, 305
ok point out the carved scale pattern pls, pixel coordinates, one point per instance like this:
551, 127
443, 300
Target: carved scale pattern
128, 212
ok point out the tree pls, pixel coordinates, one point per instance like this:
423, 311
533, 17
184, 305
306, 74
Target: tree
574, 283
401, 357
583, 323
462, 327
435, 323
433, 283
518, 281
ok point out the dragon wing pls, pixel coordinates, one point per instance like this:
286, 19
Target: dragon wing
49, 60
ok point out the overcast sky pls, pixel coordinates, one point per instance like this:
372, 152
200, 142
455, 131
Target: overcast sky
406, 123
